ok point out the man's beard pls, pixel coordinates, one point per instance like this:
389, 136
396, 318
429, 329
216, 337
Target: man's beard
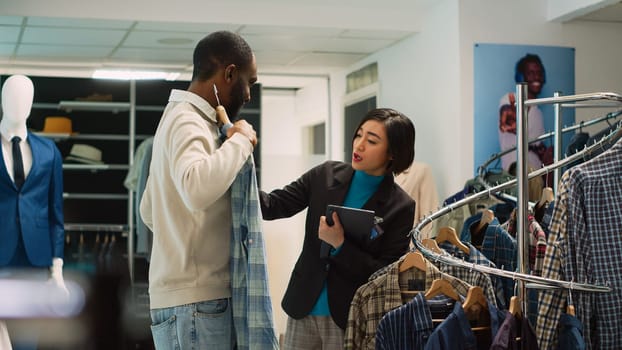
237, 101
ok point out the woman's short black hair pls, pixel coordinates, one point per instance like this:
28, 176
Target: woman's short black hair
219, 49
400, 135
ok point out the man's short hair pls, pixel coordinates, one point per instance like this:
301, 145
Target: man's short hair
219, 49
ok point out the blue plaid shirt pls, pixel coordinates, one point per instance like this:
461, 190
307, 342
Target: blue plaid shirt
406, 327
475, 256
251, 305
500, 248
584, 246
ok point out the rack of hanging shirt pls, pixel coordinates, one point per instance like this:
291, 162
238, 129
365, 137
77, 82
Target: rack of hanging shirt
521, 181
536, 280
481, 177
582, 140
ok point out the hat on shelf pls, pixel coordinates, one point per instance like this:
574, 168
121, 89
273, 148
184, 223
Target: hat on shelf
57, 125
81, 153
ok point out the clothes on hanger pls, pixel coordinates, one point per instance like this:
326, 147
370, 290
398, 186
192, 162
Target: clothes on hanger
457, 333
250, 294
407, 326
583, 247
418, 182
476, 257
382, 294
515, 333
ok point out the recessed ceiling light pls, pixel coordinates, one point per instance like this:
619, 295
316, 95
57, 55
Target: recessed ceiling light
127, 74
174, 41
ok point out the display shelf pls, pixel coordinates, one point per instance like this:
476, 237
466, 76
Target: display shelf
114, 107
95, 167
104, 196
85, 227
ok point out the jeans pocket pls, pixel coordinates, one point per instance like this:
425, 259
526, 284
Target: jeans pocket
165, 334
213, 320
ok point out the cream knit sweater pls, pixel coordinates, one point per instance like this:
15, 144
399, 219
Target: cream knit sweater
187, 203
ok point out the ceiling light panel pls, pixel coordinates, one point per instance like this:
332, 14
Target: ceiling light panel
11, 20
78, 23
285, 30
176, 55
375, 34
65, 36
33, 51
9, 34
204, 28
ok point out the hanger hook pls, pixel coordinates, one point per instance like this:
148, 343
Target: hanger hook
570, 292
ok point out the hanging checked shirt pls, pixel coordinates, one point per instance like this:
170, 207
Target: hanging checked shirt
250, 298
475, 256
584, 247
406, 327
383, 294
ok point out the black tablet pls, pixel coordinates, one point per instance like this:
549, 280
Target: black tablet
357, 223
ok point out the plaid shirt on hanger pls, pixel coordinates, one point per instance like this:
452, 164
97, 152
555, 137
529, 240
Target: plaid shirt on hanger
584, 245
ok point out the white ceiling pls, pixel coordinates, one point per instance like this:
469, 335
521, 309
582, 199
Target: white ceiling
141, 34
120, 43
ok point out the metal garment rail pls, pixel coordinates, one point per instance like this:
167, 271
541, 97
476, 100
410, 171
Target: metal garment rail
520, 276
612, 115
582, 154
537, 280
522, 103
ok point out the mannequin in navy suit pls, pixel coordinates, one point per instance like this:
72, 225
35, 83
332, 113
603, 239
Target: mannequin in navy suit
31, 233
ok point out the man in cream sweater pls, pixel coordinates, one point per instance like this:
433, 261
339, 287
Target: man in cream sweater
187, 202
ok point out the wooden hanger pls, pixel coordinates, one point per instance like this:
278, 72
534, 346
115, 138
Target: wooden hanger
547, 196
413, 259
570, 308
432, 245
475, 307
515, 307
487, 217
475, 301
441, 287
448, 234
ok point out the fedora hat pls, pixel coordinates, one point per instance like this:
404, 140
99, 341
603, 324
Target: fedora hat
57, 125
87, 154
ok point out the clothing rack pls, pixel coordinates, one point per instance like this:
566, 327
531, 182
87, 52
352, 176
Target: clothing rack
612, 115
481, 173
522, 103
536, 281
599, 145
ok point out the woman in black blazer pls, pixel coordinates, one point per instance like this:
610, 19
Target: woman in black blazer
321, 289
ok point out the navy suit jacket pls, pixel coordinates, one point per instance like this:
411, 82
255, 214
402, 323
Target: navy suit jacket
36, 210
326, 184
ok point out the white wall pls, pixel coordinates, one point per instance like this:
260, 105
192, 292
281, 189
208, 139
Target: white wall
597, 49
429, 76
285, 117
418, 77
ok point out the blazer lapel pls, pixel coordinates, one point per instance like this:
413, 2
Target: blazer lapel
337, 191
36, 150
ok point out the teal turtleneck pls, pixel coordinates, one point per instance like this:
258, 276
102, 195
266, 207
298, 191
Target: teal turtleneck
362, 187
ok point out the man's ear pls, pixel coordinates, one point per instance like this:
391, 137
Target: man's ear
230, 72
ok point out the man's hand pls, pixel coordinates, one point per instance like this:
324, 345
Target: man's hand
243, 127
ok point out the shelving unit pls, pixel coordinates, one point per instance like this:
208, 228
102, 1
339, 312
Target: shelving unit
95, 199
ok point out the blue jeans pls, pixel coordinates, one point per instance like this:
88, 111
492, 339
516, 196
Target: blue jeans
202, 325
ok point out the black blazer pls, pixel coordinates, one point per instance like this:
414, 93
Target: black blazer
345, 272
